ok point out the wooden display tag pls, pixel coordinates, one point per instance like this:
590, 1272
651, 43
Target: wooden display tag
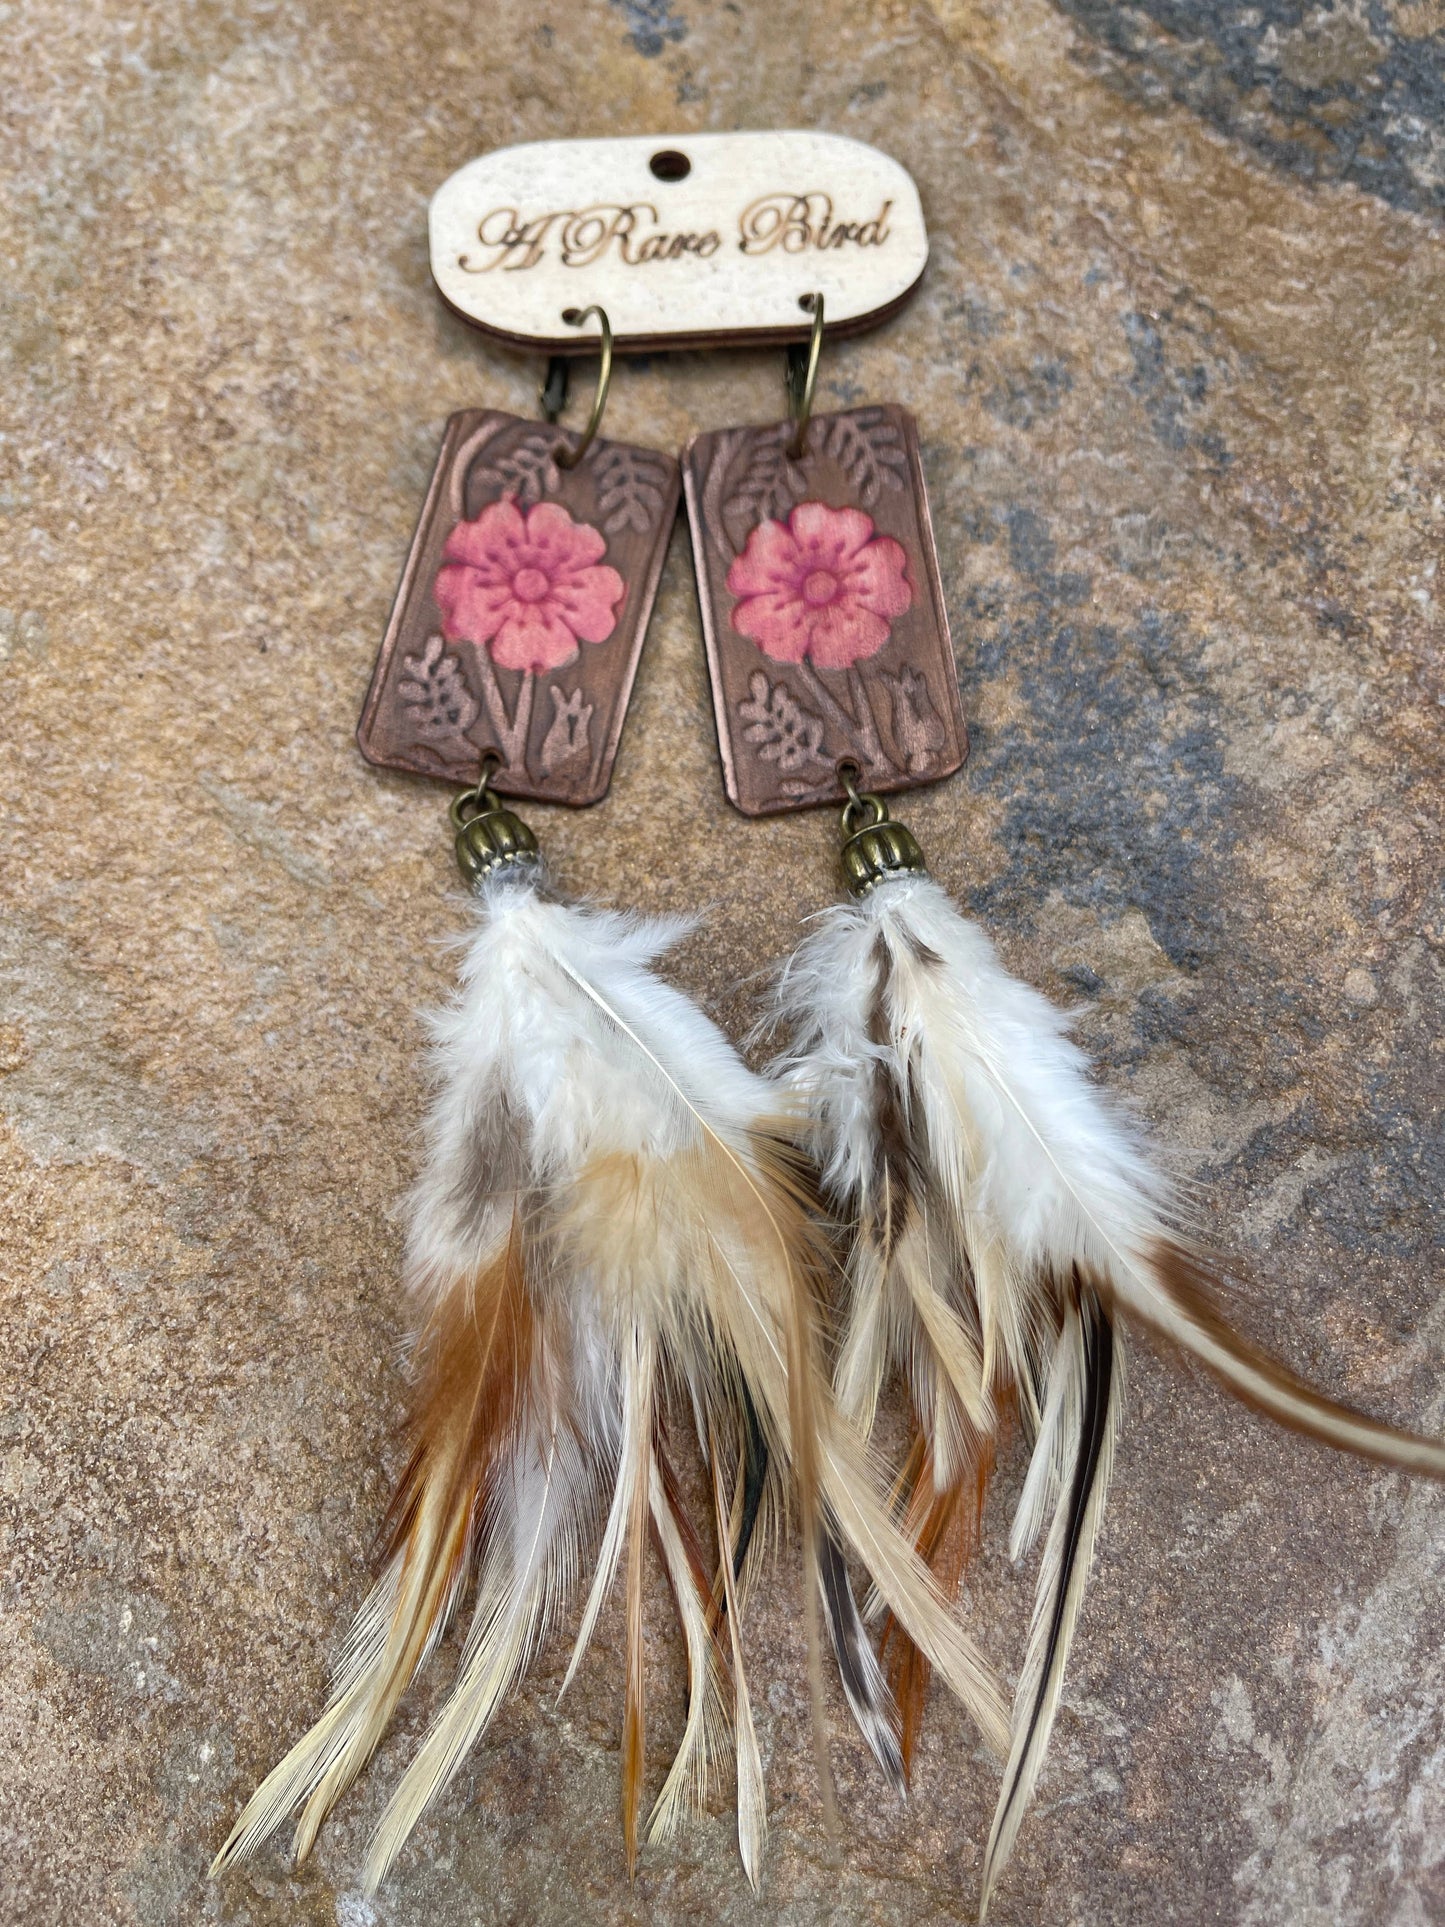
696, 240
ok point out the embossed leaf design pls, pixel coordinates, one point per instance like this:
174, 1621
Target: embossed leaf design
785, 733
869, 449
527, 471
436, 701
771, 486
569, 732
631, 488
917, 727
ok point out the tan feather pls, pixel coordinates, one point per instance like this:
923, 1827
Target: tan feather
633, 1728
686, 1783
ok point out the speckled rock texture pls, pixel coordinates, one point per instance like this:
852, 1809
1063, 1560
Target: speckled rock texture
1178, 362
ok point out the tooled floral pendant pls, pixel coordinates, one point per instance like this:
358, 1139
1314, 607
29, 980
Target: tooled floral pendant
522, 607
822, 608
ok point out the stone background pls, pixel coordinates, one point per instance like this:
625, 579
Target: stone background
1178, 363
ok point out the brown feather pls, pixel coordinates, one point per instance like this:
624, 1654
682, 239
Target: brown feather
803, 1393
946, 1533
1190, 1316
697, 1560
476, 1350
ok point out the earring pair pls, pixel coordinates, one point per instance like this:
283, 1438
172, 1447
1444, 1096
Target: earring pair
615, 1214
609, 1211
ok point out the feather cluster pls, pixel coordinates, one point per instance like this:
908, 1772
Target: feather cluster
613, 1213
1002, 1215
607, 1210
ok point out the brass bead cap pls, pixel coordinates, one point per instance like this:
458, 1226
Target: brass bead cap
490, 840
882, 850
874, 846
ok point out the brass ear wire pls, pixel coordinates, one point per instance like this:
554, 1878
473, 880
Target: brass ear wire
802, 378
569, 457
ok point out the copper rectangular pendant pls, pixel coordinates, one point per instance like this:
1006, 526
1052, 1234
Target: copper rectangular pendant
822, 609
519, 620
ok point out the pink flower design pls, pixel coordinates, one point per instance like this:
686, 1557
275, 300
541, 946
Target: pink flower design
530, 587
822, 584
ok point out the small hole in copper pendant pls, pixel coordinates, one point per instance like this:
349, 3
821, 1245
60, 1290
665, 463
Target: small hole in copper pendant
669, 165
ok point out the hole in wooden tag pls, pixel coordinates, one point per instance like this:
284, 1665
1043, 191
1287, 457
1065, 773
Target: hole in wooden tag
669, 165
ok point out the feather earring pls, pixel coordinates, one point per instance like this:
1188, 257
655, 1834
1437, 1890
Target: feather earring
1003, 1217
827, 644
606, 1209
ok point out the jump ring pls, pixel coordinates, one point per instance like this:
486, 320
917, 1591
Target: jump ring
481, 798
860, 802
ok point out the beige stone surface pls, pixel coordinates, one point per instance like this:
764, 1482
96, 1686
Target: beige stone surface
1178, 360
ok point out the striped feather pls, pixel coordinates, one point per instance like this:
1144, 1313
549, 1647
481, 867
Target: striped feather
1092, 1402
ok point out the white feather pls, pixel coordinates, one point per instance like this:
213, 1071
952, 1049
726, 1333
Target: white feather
1024, 1140
1047, 1461
528, 1573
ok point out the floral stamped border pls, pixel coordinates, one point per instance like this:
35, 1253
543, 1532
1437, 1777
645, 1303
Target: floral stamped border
521, 611
822, 608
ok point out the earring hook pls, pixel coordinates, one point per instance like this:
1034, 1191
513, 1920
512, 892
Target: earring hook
803, 379
570, 457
